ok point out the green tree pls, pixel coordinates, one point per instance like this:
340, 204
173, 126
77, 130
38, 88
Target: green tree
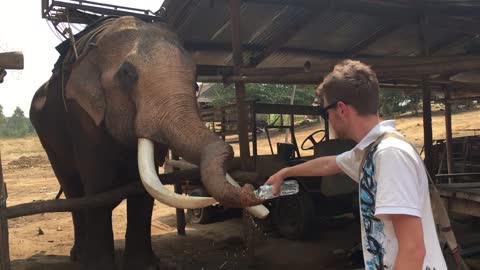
393, 101
264, 93
2, 117
17, 125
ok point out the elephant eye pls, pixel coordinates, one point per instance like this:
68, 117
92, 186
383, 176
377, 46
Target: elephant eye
127, 76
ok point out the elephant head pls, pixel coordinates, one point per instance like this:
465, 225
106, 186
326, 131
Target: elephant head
137, 82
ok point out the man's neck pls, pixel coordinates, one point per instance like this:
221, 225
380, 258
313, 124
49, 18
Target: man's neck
363, 125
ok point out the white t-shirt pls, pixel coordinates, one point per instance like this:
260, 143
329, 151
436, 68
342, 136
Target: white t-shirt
399, 185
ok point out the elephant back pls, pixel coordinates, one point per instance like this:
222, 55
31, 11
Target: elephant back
83, 42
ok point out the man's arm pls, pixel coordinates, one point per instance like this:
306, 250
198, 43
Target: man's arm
411, 246
321, 166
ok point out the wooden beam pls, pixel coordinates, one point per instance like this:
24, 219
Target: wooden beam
4, 244
379, 33
451, 41
264, 108
387, 65
292, 79
199, 47
97, 200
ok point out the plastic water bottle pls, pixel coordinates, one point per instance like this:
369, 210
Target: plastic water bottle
288, 187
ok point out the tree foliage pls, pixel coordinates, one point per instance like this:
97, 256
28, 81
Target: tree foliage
264, 93
15, 126
392, 101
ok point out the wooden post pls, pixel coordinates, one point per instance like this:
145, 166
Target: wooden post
180, 213
427, 127
253, 111
4, 247
242, 121
11, 60
427, 96
448, 132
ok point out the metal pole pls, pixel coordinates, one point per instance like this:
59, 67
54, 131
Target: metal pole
4, 246
242, 120
448, 132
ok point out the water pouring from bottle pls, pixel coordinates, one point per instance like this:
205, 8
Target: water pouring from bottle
289, 187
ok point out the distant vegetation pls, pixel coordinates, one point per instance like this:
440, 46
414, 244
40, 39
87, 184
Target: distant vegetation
263, 93
15, 126
392, 101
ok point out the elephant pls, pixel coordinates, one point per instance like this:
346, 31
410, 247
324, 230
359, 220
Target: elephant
121, 94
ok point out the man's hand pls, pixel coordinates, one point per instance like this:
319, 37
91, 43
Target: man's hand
276, 180
411, 244
321, 166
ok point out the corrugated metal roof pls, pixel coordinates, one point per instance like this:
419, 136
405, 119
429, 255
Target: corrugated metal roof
321, 28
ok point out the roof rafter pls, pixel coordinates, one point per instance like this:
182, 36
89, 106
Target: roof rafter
378, 34
283, 37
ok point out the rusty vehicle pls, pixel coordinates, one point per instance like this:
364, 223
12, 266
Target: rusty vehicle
318, 197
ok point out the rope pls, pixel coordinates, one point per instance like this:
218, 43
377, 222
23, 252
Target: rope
80, 48
72, 37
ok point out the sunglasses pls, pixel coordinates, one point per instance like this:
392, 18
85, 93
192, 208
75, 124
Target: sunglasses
324, 110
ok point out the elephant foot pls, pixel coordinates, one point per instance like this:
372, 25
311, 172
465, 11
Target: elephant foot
98, 264
75, 253
141, 262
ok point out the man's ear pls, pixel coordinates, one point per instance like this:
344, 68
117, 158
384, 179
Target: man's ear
343, 107
85, 88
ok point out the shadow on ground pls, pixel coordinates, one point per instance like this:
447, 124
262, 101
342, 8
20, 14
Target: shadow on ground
220, 246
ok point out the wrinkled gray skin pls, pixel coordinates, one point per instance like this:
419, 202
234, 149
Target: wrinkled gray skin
136, 82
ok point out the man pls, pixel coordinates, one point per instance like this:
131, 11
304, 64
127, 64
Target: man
398, 230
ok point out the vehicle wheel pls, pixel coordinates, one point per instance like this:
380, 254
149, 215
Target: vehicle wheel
201, 215
293, 215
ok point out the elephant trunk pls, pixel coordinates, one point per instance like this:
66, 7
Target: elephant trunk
183, 131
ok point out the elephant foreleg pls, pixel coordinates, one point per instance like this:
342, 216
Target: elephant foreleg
138, 244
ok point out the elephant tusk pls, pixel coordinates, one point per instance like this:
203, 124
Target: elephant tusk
156, 189
258, 211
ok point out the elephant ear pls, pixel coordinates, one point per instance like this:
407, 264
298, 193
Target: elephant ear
85, 88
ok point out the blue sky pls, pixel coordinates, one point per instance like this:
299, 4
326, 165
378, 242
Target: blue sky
23, 29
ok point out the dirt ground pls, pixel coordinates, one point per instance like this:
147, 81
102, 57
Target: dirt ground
44, 241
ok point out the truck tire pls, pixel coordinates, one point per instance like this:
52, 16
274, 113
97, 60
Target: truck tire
201, 215
293, 215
